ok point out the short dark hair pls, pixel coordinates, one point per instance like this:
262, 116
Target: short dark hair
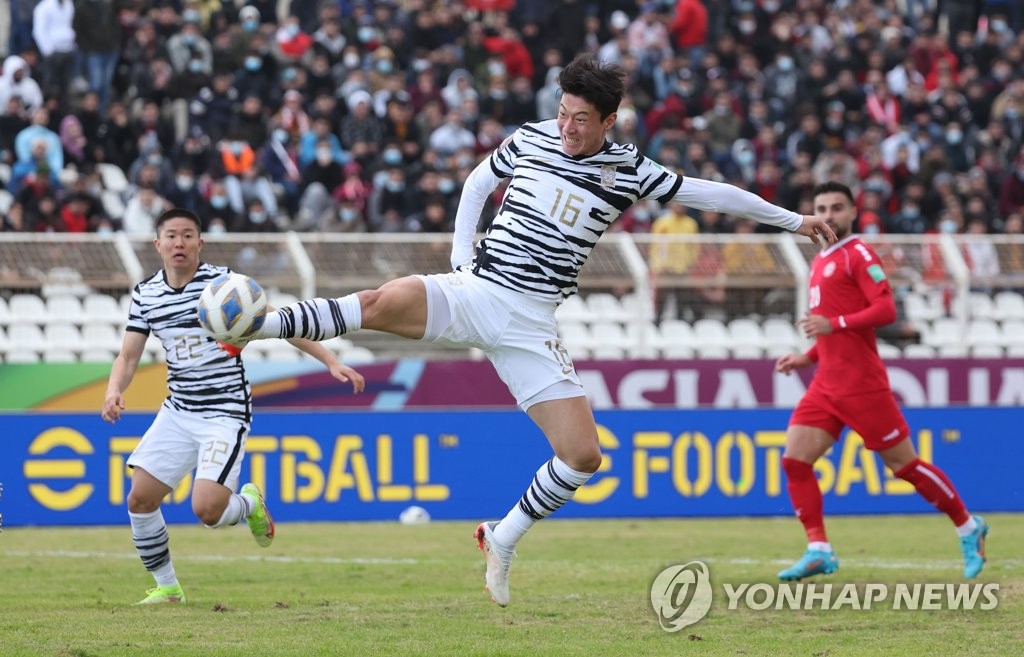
833, 186
175, 213
600, 84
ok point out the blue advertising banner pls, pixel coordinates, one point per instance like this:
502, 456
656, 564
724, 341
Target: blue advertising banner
364, 465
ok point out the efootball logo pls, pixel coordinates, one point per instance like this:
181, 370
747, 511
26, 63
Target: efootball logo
681, 595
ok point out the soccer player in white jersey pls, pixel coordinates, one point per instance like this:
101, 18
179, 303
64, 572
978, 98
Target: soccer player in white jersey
205, 419
568, 184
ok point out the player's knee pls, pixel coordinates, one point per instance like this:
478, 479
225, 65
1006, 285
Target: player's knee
209, 512
138, 503
586, 460
797, 469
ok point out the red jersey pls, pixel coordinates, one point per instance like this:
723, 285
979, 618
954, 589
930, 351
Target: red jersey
849, 287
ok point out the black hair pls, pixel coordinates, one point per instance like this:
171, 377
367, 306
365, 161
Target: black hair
833, 186
600, 84
175, 213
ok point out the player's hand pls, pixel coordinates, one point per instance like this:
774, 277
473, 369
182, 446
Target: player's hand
817, 230
112, 407
344, 373
815, 325
791, 362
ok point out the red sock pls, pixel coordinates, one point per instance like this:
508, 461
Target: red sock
935, 486
806, 497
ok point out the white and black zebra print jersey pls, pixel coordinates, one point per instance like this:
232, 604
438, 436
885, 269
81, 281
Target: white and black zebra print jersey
556, 207
201, 377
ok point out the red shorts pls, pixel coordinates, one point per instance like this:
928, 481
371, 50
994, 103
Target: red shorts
873, 415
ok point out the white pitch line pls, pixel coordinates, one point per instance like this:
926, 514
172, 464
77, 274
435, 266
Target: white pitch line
362, 561
933, 564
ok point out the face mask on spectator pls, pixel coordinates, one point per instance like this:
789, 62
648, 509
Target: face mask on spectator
499, 94
323, 156
785, 63
155, 159
496, 68
188, 39
250, 25
420, 65
947, 226
384, 66
954, 137
237, 147
770, 6
365, 33
292, 30
104, 230
257, 216
998, 26
745, 157
871, 229
195, 65
184, 182
216, 229
347, 215
911, 211
280, 135
219, 202
446, 185
253, 63
392, 156
748, 27
190, 16
394, 185
351, 60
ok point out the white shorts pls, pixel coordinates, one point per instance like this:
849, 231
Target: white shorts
177, 442
518, 333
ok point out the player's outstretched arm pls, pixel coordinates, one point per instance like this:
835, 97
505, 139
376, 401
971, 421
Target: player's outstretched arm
121, 374
478, 186
817, 230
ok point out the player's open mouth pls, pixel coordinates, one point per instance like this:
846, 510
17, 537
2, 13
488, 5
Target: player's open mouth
571, 141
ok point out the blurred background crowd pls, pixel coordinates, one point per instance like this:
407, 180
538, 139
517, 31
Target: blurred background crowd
367, 115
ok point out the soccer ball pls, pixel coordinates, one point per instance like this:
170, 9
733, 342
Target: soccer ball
414, 515
232, 307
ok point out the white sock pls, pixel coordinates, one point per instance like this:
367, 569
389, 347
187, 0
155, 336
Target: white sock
968, 527
823, 546
149, 531
314, 319
553, 485
238, 507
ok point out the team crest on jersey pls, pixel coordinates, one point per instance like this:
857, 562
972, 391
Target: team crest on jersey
608, 176
830, 268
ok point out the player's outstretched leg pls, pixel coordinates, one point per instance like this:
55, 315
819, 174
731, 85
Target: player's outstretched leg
499, 559
934, 486
972, 545
260, 523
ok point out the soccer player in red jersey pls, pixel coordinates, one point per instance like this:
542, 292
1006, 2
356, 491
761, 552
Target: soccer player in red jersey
848, 298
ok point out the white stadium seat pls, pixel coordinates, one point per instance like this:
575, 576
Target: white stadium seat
748, 339
103, 308
986, 351
918, 351
711, 333
945, 332
886, 350
62, 337
1013, 332
918, 307
1008, 305
606, 307
27, 308
576, 337
983, 332
573, 309
21, 356
609, 340
101, 337
25, 337
651, 338
981, 306
780, 333
65, 308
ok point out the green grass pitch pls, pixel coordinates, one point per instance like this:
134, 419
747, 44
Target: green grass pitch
578, 588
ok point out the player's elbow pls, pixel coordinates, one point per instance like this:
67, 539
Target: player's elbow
887, 314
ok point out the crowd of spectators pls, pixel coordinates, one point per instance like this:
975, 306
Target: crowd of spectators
350, 115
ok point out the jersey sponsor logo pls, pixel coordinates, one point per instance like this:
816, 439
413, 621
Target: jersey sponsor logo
608, 176
876, 273
830, 268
